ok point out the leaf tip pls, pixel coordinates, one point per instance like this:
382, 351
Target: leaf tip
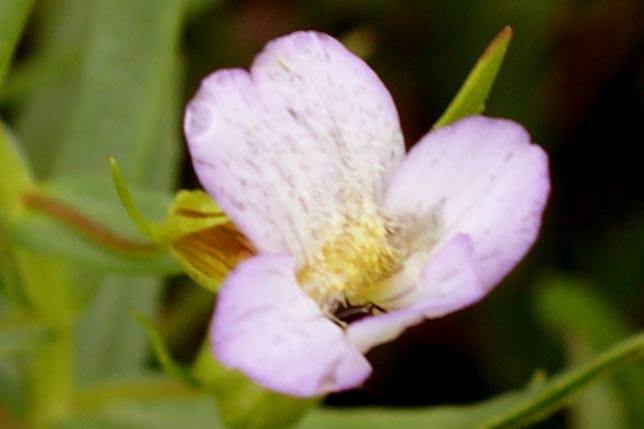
501, 41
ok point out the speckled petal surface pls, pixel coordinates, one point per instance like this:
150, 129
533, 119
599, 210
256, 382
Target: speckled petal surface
486, 180
308, 136
266, 327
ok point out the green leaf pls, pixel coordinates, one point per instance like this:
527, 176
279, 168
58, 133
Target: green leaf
570, 308
128, 203
470, 99
108, 342
127, 92
45, 282
512, 410
600, 405
57, 42
568, 304
37, 74
15, 180
12, 391
15, 177
169, 366
13, 15
151, 403
113, 254
129, 62
194, 412
15, 338
187, 313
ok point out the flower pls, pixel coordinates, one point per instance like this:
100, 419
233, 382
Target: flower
305, 154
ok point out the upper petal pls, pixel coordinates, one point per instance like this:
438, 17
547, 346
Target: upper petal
486, 180
309, 136
266, 327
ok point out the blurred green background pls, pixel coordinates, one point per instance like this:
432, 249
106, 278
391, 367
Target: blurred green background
573, 76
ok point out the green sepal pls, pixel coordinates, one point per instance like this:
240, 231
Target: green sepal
471, 97
202, 238
243, 404
195, 231
191, 211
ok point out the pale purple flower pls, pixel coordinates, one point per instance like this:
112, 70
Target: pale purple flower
306, 156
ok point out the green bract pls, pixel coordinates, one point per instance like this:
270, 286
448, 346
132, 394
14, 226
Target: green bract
470, 99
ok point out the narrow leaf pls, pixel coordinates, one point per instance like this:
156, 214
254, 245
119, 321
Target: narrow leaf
470, 99
512, 410
50, 73
557, 392
169, 366
571, 308
128, 203
140, 403
129, 77
15, 338
15, 177
130, 57
13, 15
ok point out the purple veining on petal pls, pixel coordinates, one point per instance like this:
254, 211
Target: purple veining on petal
290, 149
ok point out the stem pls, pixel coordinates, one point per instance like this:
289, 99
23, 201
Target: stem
51, 379
47, 285
84, 225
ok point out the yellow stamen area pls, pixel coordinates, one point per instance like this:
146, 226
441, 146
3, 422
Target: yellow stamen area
355, 259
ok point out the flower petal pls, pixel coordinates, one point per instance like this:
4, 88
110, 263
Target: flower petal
486, 180
265, 326
309, 135
449, 282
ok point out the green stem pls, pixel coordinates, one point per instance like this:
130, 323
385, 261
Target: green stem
46, 284
51, 379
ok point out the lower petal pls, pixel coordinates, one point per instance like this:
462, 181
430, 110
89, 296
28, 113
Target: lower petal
448, 282
265, 326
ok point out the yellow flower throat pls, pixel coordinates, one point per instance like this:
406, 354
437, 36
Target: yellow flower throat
352, 263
